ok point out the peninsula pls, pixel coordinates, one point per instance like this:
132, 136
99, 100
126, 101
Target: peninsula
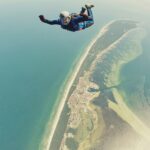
92, 113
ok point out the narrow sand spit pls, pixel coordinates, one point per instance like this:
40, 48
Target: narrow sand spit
47, 141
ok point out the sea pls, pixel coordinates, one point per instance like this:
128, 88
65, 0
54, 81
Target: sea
35, 60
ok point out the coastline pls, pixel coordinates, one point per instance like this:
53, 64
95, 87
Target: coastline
127, 115
120, 107
47, 142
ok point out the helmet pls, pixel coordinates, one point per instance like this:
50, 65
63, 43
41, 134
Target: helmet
65, 17
64, 14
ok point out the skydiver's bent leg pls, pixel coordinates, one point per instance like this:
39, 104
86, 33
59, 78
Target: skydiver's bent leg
83, 14
88, 23
90, 20
83, 9
90, 14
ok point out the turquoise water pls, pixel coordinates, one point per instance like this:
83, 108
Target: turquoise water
34, 62
136, 76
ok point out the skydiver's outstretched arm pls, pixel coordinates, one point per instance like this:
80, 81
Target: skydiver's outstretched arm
51, 22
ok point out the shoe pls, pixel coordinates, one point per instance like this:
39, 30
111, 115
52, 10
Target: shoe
42, 18
89, 5
83, 10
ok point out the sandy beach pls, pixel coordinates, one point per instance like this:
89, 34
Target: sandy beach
47, 142
126, 114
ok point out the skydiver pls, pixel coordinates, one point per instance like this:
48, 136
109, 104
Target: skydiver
73, 22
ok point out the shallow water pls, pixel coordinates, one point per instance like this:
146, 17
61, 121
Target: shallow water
35, 60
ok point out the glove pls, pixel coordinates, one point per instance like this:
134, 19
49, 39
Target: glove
42, 18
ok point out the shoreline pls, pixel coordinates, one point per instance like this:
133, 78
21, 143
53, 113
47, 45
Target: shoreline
121, 108
128, 116
68, 84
